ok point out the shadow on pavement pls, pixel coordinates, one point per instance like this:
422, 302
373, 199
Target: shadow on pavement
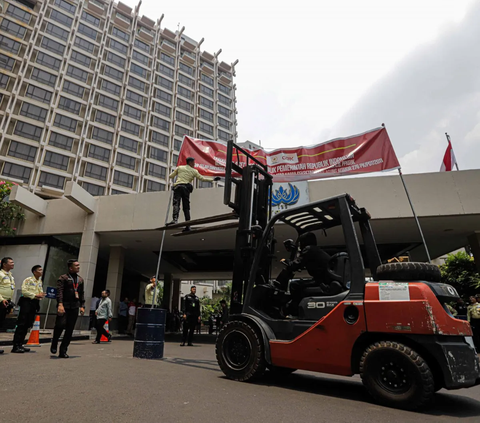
55, 357
199, 364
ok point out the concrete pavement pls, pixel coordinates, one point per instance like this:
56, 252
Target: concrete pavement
104, 383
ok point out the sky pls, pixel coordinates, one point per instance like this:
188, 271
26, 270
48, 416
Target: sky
310, 71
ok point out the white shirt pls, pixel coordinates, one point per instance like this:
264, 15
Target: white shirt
131, 310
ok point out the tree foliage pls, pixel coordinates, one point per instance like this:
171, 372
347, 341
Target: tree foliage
10, 214
461, 272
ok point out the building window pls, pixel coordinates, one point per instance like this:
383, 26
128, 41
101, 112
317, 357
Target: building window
174, 159
166, 70
12, 28
113, 73
77, 73
51, 180
141, 45
126, 161
4, 80
163, 110
61, 141
153, 186
92, 189
56, 31
65, 122
186, 69
117, 192
181, 131
33, 112
105, 118
70, 8
224, 123
44, 77
135, 98
22, 151
136, 83
84, 44
56, 160
157, 154
96, 172
9, 45
205, 128
18, 14
164, 96
139, 57
6, 62
74, 89
182, 117
206, 102
138, 70
157, 171
184, 92
224, 111
131, 128
132, 112
53, 46
115, 45
167, 59
111, 87
99, 153
120, 34
93, 20
116, 59
164, 82
128, 144
123, 179
186, 80
224, 100
206, 115
159, 138
17, 171
184, 105
206, 79
26, 130
224, 136
81, 59
38, 94
87, 31
69, 105
224, 89
61, 18
177, 144
161, 123
107, 102
48, 61
102, 135
205, 90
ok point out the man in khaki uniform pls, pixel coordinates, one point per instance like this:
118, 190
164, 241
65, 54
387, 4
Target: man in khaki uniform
32, 293
7, 287
473, 316
149, 290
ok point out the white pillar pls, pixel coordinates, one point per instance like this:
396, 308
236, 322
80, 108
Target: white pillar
115, 275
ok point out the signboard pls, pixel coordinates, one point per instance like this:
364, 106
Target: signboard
364, 153
51, 293
393, 291
289, 194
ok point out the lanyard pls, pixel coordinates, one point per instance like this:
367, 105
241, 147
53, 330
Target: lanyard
75, 285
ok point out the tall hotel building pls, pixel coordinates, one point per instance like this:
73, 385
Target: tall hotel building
94, 93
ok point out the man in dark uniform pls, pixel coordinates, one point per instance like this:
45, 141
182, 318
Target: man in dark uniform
191, 316
70, 298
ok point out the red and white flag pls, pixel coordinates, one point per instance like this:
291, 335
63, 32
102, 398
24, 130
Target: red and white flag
449, 160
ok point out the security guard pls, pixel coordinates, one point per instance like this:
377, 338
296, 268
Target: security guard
7, 287
182, 188
149, 290
191, 316
32, 293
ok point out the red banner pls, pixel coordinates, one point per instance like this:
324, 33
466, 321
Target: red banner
364, 153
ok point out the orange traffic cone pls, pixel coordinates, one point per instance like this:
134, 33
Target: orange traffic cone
34, 339
104, 338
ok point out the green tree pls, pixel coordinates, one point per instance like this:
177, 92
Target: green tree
208, 307
226, 293
10, 214
461, 272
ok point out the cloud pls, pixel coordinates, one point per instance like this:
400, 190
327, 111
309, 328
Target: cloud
433, 90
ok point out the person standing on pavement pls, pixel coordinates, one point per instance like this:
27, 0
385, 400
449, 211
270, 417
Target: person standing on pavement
132, 312
191, 316
71, 300
223, 314
103, 313
152, 288
182, 188
93, 309
32, 293
123, 316
7, 288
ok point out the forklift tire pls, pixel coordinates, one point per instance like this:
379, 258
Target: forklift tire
396, 376
240, 351
409, 272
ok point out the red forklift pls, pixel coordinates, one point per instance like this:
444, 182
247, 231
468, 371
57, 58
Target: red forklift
386, 322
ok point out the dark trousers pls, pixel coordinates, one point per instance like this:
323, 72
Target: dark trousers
3, 314
93, 318
181, 193
122, 323
189, 325
101, 330
475, 325
26, 318
65, 322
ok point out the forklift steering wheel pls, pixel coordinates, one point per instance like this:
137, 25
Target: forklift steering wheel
331, 262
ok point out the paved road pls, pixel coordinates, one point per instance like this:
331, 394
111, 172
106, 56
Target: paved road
103, 383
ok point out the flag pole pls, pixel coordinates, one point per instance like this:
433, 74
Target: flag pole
414, 214
450, 142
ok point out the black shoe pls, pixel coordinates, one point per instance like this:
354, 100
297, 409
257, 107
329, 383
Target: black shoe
53, 348
26, 349
187, 229
109, 337
96, 342
182, 344
63, 355
173, 222
1, 351
18, 349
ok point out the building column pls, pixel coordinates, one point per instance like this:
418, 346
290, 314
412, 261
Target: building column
115, 275
176, 293
474, 241
167, 292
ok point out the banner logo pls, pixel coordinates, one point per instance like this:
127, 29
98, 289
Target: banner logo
286, 196
282, 158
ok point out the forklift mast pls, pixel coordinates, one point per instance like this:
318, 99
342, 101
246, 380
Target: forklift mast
252, 203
